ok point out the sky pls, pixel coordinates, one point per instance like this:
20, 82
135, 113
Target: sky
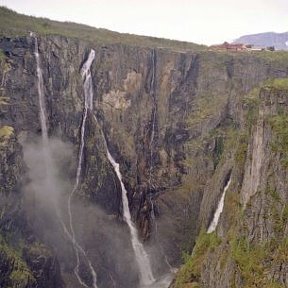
200, 21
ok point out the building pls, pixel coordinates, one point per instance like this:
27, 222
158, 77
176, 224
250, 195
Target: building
230, 47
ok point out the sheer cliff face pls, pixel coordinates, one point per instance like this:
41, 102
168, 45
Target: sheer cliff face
249, 247
173, 121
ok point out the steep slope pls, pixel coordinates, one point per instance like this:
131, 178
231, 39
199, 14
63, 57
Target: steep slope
178, 123
14, 24
249, 247
24, 261
278, 40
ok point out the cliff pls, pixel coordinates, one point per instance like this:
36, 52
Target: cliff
249, 246
179, 124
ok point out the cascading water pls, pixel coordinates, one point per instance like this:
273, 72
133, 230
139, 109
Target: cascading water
49, 167
47, 157
40, 88
142, 258
219, 210
88, 104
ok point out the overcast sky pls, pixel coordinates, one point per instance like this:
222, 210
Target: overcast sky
200, 21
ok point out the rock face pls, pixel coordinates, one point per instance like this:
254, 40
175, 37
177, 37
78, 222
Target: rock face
248, 248
24, 262
177, 124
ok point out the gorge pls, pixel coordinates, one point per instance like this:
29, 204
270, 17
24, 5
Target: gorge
118, 158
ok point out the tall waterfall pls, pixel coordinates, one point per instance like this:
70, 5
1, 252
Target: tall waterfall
40, 87
142, 258
48, 162
88, 104
219, 210
47, 158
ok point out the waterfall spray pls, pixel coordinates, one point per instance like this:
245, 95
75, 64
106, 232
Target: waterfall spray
49, 165
47, 157
40, 88
142, 258
88, 104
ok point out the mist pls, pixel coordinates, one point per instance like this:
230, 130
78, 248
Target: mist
105, 238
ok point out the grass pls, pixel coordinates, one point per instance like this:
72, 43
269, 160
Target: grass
252, 102
254, 260
277, 83
274, 58
206, 106
20, 275
279, 124
2, 56
6, 132
191, 270
249, 259
14, 24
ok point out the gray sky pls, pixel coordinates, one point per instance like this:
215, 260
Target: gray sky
200, 21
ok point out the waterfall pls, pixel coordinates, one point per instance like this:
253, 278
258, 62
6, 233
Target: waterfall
142, 258
47, 157
219, 210
40, 87
88, 104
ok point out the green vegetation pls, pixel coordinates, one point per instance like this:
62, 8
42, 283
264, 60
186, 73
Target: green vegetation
277, 83
253, 260
279, 124
4, 64
274, 58
249, 259
241, 151
6, 132
20, 275
206, 107
219, 149
2, 57
191, 270
38, 248
14, 24
251, 102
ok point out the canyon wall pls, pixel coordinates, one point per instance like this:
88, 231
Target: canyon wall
175, 122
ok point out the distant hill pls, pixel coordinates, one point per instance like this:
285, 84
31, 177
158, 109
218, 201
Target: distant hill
278, 40
15, 24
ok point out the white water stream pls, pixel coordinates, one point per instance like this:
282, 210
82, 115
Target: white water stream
146, 276
88, 104
47, 157
219, 210
40, 87
48, 162
142, 258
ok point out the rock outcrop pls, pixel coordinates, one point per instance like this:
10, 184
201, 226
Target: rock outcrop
179, 123
249, 246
